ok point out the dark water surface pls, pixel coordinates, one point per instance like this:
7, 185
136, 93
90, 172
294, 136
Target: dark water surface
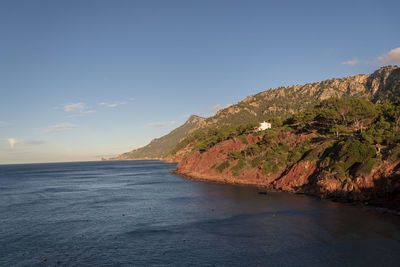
136, 213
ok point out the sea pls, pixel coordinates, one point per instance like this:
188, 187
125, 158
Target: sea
137, 213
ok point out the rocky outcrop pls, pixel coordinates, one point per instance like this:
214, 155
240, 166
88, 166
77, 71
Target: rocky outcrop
284, 101
202, 165
384, 83
296, 177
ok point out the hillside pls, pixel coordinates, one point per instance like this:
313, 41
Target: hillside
159, 146
281, 102
345, 149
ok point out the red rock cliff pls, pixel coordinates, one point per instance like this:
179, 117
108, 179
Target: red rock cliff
381, 186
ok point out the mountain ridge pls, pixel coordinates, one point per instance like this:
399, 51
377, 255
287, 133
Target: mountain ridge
281, 102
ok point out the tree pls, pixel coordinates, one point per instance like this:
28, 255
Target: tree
341, 106
393, 111
361, 114
337, 129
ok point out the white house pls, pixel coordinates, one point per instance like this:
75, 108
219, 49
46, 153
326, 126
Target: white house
264, 125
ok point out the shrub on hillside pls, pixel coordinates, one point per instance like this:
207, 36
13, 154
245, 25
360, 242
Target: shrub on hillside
225, 164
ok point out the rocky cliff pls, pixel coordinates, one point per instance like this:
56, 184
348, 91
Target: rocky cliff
380, 187
281, 102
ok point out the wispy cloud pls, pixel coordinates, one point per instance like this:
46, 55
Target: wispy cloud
218, 107
185, 116
60, 127
351, 62
3, 123
111, 105
161, 124
13, 141
392, 57
215, 108
77, 108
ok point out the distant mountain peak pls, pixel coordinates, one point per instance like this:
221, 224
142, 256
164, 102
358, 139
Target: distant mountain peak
194, 118
386, 68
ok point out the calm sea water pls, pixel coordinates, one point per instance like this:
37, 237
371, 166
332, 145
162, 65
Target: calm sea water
136, 213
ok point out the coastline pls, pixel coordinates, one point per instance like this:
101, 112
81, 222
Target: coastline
118, 159
379, 205
375, 205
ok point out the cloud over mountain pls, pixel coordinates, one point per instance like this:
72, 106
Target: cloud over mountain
160, 124
351, 62
392, 57
218, 107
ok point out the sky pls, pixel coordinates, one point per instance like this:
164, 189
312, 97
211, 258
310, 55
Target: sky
81, 80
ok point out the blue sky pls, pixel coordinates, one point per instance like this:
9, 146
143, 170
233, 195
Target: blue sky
84, 79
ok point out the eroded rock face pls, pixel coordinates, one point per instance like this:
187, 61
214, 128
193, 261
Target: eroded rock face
203, 165
296, 178
284, 101
381, 78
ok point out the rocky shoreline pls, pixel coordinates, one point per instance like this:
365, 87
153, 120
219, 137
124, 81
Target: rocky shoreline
381, 187
388, 206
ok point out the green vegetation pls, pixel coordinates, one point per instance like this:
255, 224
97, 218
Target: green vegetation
225, 164
256, 162
243, 139
351, 158
395, 155
204, 139
252, 150
235, 155
239, 165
